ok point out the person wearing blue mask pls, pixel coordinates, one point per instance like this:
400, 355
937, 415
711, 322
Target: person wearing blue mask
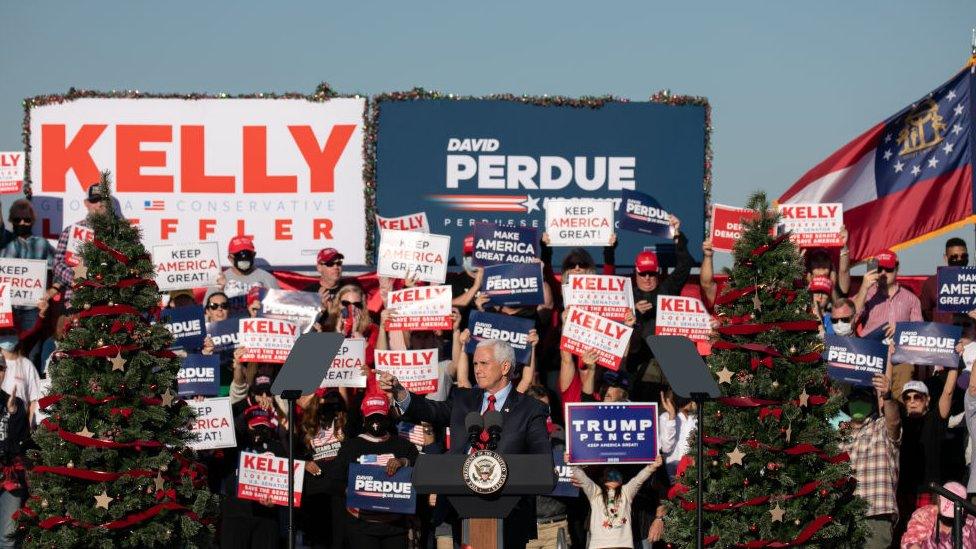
873, 437
21, 376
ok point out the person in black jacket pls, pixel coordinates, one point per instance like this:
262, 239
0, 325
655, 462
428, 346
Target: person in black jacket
371, 529
524, 427
13, 434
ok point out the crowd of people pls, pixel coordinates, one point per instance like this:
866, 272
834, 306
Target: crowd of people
914, 427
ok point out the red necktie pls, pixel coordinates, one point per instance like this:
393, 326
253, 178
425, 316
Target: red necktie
483, 439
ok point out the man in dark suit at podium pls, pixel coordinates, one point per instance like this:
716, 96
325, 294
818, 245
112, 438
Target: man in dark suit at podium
524, 428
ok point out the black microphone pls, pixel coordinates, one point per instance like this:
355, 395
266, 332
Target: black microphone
493, 424
473, 424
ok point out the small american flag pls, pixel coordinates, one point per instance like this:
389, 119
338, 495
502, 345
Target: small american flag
154, 205
412, 432
374, 459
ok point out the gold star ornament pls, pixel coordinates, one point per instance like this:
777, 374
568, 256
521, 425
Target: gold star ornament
804, 398
735, 456
80, 270
724, 375
102, 500
168, 398
158, 481
776, 513
84, 432
118, 363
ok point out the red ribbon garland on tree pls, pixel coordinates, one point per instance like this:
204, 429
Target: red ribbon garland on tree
126, 522
755, 363
91, 442
733, 295
811, 528
752, 402
771, 246
119, 256
50, 400
106, 310
124, 283
798, 450
104, 351
91, 474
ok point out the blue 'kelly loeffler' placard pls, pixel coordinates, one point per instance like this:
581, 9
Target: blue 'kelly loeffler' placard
511, 329
188, 326
224, 335
370, 488
564, 481
199, 375
641, 213
957, 289
620, 432
513, 285
926, 344
497, 245
854, 360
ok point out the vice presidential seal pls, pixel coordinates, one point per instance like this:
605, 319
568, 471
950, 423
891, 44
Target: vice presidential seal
485, 472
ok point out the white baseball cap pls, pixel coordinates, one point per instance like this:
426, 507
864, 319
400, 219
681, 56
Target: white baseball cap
916, 386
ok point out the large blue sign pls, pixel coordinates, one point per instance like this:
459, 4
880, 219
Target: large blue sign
620, 432
957, 289
199, 375
854, 360
641, 213
514, 284
494, 245
224, 335
188, 326
926, 344
499, 161
370, 488
564, 477
511, 329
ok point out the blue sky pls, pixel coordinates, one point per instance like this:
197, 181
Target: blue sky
789, 82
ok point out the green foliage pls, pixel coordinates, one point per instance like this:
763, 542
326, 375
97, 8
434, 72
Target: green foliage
766, 470
147, 374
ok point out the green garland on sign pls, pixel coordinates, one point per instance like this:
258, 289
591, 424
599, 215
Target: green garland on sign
591, 102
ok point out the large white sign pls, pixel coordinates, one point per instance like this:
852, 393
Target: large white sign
579, 222
186, 266
584, 331
606, 295
348, 366
214, 424
266, 339
288, 172
27, 279
408, 254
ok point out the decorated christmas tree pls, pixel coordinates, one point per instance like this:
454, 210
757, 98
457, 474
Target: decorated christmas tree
773, 472
113, 469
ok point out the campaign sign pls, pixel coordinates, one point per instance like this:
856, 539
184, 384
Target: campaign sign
214, 424
579, 222
416, 370
347, 366
514, 285
957, 289
199, 375
6, 312
500, 160
186, 266
412, 222
926, 344
371, 489
420, 308
26, 278
727, 226
407, 254
640, 213
813, 225
683, 316
584, 331
77, 235
510, 329
606, 295
11, 172
564, 478
266, 339
496, 245
224, 335
263, 476
620, 432
854, 360
187, 325
301, 308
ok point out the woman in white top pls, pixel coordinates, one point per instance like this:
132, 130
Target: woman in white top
21, 374
610, 505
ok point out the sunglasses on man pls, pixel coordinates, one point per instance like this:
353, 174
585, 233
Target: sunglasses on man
647, 274
914, 396
840, 319
333, 263
214, 306
21, 220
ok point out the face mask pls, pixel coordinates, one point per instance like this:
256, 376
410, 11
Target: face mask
375, 426
23, 230
468, 263
842, 328
243, 265
860, 410
841, 417
956, 262
8, 344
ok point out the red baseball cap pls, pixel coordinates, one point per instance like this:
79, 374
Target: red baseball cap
258, 416
329, 254
374, 401
240, 243
646, 262
469, 244
821, 284
887, 259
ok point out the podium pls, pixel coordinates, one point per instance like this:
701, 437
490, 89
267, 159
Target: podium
443, 474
